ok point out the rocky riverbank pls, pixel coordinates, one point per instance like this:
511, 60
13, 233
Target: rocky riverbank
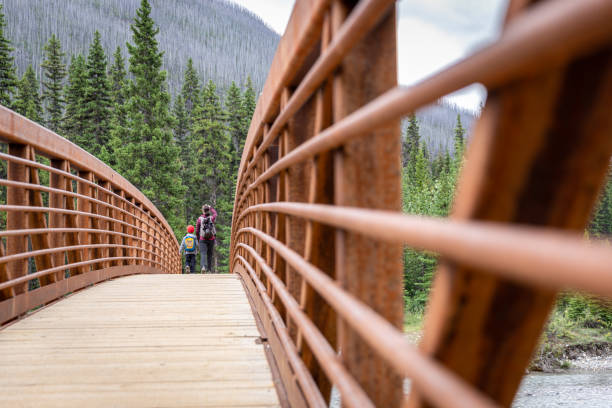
585, 356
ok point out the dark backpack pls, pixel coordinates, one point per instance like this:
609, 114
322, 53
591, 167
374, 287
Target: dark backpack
207, 228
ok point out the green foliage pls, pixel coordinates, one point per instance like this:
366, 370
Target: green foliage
249, 101
96, 103
117, 79
191, 89
53, 83
28, 100
235, 112
586, 311
143, 147
428, 188
459, 138
601, 221
8, 78
213, 178
74, 121
181, 124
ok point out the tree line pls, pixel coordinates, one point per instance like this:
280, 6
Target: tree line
428, 185
226, 41
180, 153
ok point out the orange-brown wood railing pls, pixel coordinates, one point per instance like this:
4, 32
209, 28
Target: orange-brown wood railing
86, 225
317, 228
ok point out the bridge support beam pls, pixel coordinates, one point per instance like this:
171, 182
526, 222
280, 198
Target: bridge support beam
368, 175
546, 141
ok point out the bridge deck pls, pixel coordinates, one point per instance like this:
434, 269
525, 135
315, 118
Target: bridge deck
139, 341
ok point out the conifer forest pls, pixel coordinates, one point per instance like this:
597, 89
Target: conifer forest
175, 128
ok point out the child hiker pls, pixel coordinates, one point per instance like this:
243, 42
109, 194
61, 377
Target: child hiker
190, 246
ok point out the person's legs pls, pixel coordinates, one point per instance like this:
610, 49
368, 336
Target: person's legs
202, 256
191, 261
209, 255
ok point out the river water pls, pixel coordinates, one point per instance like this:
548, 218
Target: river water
571, 389
574, 388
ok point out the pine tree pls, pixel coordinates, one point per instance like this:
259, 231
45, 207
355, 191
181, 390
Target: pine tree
459, 138
28, 100
74, 121
144, 149
213, 179
601, 223
8, 78
248, 109
235, 112
181, 126
117, 77
191, 89
54, 72
411, 142
97, 102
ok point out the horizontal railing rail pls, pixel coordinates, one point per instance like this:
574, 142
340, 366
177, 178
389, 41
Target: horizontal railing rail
86, 224
317, 232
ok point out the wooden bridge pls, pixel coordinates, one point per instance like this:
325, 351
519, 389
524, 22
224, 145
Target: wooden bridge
315, 299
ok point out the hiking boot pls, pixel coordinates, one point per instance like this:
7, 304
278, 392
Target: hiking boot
187, 270
203, 270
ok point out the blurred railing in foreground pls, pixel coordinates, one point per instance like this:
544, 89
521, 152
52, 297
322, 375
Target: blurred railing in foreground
317, 229
69, 220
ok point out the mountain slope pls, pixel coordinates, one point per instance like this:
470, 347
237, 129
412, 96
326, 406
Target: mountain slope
226, 42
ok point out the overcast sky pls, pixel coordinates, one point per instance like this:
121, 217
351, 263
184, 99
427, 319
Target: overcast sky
432, 34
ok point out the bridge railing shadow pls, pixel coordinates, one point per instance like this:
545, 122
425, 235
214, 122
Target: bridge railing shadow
318, 232
69, 220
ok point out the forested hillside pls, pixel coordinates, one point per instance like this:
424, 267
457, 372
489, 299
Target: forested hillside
437, 125
226, 42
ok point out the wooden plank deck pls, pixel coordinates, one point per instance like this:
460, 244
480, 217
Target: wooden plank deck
139, 341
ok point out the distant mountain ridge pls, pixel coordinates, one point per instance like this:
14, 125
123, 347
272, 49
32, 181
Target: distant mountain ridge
226, 41
437, 124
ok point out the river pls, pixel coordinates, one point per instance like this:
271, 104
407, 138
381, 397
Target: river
587, 384
574, 388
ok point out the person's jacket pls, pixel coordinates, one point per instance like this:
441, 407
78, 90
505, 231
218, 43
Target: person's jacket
213, 217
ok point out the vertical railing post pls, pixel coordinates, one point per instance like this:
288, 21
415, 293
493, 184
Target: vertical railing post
84, 221
72, 221
37, 220
373, 271
57, 220
117, 227
17, 244
108, 239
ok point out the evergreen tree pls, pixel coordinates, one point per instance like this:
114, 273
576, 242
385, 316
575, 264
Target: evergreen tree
144, 149
8, 78
601, 223
181, 125
74, 121
459, 138
235, 112
248, 109
411, 141
28, 101
117, 77
97, 102
191, 89
213, 179
54, 72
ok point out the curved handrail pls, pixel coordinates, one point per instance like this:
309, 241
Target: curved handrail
107, 228
317, 231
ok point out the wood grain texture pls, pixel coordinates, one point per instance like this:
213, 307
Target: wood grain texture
140, 341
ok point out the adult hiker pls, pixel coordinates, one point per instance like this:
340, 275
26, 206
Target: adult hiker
190, 246
207, 234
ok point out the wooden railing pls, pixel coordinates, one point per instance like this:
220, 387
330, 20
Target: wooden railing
84, 224
317, 229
